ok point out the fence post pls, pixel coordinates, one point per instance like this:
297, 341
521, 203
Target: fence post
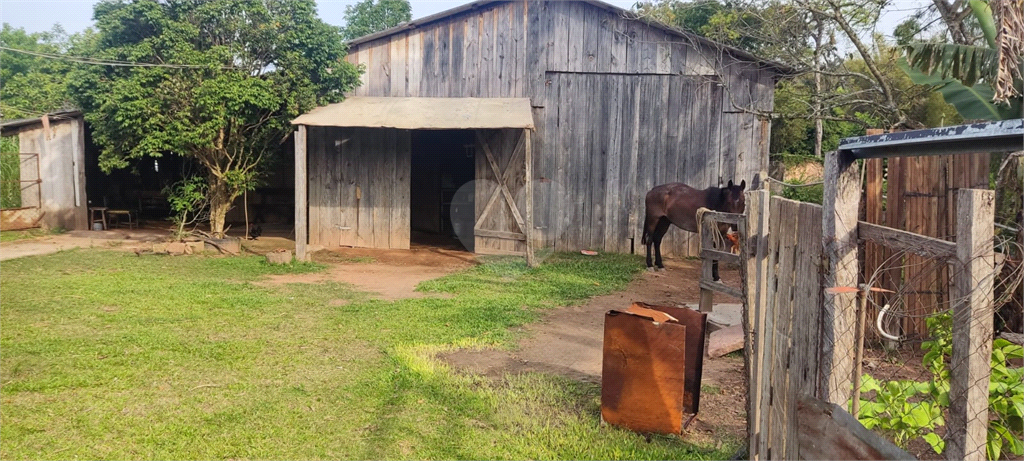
755, 292
301, 199
972, 326
841, 201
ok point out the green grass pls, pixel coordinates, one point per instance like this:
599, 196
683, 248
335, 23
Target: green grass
108, 355
10, 236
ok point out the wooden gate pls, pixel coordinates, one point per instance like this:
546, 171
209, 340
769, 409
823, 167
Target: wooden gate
504, 193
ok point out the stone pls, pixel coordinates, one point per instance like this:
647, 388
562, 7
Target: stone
724, 341
279, 257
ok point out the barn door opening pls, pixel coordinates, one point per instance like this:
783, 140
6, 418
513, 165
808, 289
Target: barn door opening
442, 163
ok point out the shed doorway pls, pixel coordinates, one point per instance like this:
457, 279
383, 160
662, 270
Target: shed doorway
443, 161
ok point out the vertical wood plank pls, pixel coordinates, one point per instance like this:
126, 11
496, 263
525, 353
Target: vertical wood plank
972, 327
416, 59
301, 232
839, 243
528, 188
399, 65
755, 291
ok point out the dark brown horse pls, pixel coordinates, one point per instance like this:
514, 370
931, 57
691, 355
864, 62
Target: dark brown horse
676, 203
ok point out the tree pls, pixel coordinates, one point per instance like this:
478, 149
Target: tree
982, 82
805, 35
30, 84
215, 81
369, 16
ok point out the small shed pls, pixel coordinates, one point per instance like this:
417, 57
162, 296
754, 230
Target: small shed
617, 105
52, 169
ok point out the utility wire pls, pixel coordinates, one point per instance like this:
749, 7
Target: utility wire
108, 62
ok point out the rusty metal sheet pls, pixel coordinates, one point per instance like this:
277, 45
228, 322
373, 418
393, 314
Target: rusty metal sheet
652, 369
696, 327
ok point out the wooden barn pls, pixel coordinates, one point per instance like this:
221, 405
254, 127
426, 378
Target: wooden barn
559, 115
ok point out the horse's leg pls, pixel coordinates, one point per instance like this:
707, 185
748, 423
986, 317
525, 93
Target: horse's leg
659, 233
714, 270
650, 224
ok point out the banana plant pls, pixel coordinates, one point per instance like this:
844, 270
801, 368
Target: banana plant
963, 74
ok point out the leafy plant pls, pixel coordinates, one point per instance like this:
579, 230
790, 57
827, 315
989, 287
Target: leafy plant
962, 73
909, 409
10, 173
189, 203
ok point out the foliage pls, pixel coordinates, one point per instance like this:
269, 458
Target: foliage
10, 173
189, 202
908, 409
804, 193
109, 355
370, 16
32, 85
226, 78
964, 73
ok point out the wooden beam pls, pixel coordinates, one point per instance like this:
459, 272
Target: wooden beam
301, 202
839, 246
721, 256
826, 431
972, 326
755, 305
499, 234
929, 247
531, 261
721, 288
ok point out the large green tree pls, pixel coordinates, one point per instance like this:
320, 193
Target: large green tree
369, 16
217, 81
32, 76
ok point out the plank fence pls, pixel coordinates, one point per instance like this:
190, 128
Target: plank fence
800, 339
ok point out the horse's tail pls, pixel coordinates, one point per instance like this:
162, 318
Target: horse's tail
645, 237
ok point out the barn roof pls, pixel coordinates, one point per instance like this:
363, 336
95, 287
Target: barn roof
11, 127
422, 113
689, 36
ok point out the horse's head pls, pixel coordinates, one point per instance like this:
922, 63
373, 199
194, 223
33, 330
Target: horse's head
732, 197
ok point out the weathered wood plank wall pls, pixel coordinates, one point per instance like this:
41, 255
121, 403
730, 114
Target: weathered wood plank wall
786, 355
359, 187
619, 106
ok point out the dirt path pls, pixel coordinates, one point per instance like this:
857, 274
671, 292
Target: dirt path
568, 342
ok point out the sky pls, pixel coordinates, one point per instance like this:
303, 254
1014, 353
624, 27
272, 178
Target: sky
76, 15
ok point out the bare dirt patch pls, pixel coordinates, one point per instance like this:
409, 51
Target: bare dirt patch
391, 274
568, 342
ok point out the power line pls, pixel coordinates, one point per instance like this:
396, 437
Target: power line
108, 62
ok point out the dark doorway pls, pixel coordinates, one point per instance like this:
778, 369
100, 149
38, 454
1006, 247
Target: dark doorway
443, 161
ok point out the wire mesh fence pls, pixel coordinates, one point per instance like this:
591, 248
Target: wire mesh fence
916, 386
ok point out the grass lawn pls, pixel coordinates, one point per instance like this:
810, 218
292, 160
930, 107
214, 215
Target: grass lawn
106, 355
10, 236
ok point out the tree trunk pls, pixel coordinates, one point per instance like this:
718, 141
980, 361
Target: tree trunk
221, 197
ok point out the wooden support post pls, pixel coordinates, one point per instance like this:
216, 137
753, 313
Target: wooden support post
301, 201
531, 261
707, 233
755, 289
972, 326
839, 245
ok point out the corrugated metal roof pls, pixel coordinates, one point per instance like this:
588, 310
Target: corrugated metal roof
422, 113
999, 136
12, 126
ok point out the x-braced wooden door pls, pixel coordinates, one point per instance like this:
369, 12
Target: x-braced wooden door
504, 193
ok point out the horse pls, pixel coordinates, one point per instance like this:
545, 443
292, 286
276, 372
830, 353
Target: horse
676, 203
